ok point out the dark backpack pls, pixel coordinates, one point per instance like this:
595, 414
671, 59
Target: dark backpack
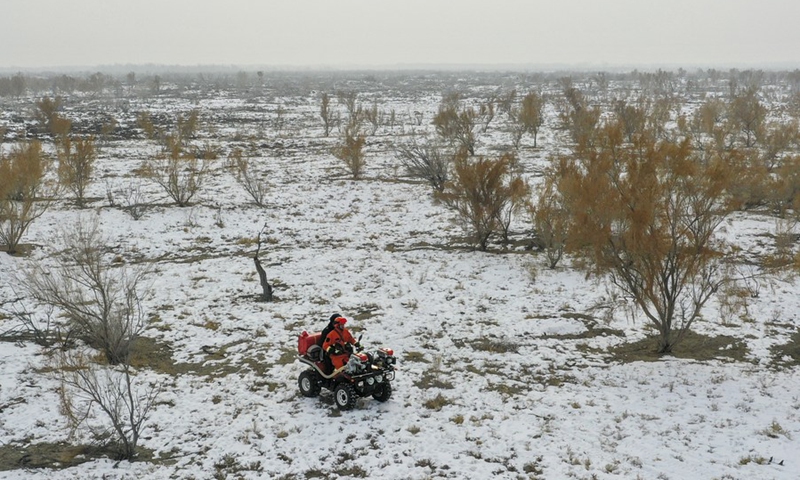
328, 329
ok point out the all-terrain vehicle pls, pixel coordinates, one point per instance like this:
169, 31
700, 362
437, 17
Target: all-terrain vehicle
364, 374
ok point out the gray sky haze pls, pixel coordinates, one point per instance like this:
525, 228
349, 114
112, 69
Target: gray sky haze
348, 33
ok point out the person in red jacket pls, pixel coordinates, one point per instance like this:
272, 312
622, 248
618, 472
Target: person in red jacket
339, 343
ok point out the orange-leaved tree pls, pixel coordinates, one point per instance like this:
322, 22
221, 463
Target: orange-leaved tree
645, 213
482, 191
25, 191
76, 157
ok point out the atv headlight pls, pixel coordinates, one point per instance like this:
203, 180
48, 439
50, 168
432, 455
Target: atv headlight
379, 378
370, 381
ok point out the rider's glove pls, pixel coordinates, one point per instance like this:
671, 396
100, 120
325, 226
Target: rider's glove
358, 346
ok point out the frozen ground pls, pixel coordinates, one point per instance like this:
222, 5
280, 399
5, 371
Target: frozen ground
503, 363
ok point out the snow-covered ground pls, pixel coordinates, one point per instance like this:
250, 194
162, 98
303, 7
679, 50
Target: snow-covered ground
501, 374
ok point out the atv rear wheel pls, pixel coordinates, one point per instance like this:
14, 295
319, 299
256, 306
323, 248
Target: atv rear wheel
345, 396
309, 386
383, 393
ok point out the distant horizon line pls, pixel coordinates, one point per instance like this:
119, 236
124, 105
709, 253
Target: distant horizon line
455, 66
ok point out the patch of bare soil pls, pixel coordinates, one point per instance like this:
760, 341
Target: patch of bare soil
23, 456
693, 346
787, 355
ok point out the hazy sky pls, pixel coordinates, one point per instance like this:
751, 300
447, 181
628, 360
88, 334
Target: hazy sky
47, 33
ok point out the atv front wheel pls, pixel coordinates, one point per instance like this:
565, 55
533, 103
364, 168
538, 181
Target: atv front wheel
345, 396
309, 386
383, 393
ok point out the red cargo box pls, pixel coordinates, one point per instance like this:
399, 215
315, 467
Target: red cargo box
305, 340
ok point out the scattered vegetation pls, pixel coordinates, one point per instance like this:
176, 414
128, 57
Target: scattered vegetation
641, 184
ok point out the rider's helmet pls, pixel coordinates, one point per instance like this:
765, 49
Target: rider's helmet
340, 321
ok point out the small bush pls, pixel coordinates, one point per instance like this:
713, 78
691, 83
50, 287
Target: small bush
437, 403
180, 175
351, 152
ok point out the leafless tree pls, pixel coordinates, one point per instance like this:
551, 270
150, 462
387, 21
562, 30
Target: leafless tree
578, 116
426, 161
107, 401
374, 116
128, 197
102, 301
39, 326
247, 178
47, 114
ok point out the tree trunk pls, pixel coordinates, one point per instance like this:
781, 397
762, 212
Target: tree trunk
267, 295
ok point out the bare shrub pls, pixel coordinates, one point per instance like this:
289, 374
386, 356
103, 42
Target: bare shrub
486, 111
25, 193
102, 302
782, 188
128, 197
181, 175
327, 113
206, 151
517, 192
777, 139
632, 118
753, 186
106, 401
107, 129
252, 184
38, 326
427, 162
348, 99
374, 117
708, 127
